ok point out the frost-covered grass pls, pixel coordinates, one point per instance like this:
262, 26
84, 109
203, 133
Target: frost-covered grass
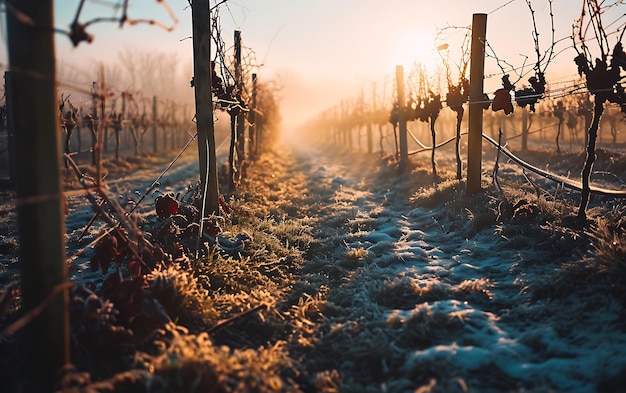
425, 288
361, 276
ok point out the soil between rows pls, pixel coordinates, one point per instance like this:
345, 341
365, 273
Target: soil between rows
363, 277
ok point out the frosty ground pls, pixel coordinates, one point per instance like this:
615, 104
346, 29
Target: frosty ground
432, 293
363, 276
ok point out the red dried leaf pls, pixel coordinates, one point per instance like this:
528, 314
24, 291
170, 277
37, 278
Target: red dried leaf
78, 33
135, 268
212, 229
502, 101
157, 256
122, 244
166, 206
172, 207
105, 252
224, 205
111, 283
178, 251
94, 262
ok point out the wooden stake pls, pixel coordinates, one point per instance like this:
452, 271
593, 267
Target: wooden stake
252, 119
204, 104
102, 124
524, 129
258, 133
10, 114
343, 124
93, 124
368, 128
241, 117
369, 118
40, 198
404, 149
477, 73
154, 124
172, 126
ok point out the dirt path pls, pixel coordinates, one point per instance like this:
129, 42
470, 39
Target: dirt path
401, 296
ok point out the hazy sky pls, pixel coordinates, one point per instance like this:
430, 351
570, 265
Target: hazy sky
330, 49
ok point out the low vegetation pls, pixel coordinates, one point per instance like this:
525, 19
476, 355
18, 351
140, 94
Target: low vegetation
324, 298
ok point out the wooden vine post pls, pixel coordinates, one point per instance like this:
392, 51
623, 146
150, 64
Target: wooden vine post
155, 119
368, 117
93, 123
341, 115
204, 105
368, 130
10, 118
347, 127
122, 124
524, 129
258, 120
40, 199
335, 125
259, 125
241, 116
477, 73
375, 112
173, 126
404, 149
102, 125
252, 121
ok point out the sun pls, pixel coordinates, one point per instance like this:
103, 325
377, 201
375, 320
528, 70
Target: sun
415, 46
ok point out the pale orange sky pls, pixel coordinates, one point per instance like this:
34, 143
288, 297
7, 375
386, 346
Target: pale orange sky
323, 51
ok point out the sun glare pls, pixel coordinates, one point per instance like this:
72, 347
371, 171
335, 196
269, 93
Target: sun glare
415, 46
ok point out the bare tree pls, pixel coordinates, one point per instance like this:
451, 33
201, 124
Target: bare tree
154, 73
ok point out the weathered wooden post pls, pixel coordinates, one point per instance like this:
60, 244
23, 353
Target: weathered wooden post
10, 114
123, 119
166, 124
375, 112
93, 123
260, 131
368, 127
163, 122
204, 105
524, 129
187, 116
346, 124
252, 120
369, 119
102, 124
343, 140
349, 123
172, 125
404, 149
154, 124
241, 116
40, 198
477, 73
103, 128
